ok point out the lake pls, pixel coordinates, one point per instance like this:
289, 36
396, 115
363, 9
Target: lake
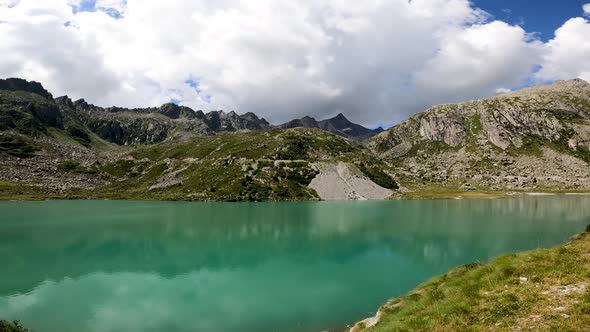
309, 266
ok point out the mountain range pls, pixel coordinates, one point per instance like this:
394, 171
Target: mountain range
153, 125
534, 139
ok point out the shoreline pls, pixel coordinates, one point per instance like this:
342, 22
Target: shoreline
32, 195
561, 302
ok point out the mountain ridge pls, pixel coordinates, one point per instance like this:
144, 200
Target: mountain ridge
339, 125
109, 122
534, 139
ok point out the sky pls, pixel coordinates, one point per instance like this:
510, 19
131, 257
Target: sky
376, 61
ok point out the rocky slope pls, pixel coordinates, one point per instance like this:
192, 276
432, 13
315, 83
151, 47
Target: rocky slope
340, 182
338, 125
534, 139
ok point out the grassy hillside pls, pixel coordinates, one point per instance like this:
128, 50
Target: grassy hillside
253, 166
266, 165
541, 290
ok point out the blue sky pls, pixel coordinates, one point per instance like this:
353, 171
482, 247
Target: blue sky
542, 16
91, 6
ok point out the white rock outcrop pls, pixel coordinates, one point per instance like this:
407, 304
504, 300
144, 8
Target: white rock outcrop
338, 182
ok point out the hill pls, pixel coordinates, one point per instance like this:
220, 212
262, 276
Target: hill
58, 148
535, 139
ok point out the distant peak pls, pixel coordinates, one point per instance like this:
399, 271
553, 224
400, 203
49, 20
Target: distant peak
340, 116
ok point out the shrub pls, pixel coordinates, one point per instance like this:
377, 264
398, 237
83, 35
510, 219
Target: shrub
379, 177
17, 146
6, 326
72, 166
78, 134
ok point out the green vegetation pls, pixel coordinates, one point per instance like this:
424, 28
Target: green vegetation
78, 134
122, 168
532, 145
378, 176
14, 326
425, 148
474, 129
19, 191
17, 145
271, 165
284, 181
545, 289
566, 116
72, 166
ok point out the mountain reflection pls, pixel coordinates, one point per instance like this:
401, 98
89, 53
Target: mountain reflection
137, 266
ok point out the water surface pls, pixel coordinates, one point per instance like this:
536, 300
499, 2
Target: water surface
160, 266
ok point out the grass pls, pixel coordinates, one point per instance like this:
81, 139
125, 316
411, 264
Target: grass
474, 129
273, 165
451, 192
22, 192
540, 290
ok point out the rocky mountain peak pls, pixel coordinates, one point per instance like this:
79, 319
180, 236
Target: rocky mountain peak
340, 116
338, 125
18, 84
65, 101
170, 110
339, 121
81, 103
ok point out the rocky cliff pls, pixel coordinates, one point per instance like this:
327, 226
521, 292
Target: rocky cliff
532, 138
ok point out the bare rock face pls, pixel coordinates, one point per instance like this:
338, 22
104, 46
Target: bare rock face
544, 111
443, 125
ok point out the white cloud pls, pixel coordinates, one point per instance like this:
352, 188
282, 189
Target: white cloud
8, 3
37, 45
376, 61
586, 8
568, 54
476, 60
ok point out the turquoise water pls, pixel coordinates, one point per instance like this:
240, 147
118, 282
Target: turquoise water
159, 266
